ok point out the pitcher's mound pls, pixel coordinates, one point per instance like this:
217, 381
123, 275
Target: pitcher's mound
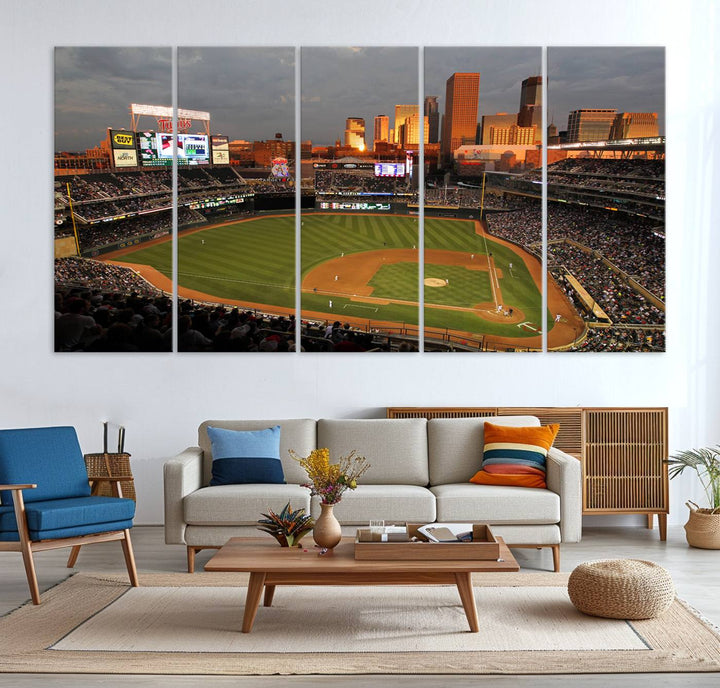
434, 282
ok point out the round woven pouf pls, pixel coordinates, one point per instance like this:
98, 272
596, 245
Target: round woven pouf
621, 589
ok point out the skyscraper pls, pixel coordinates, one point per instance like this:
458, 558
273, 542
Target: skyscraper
499, 119
402, 112
461, 108
530, 113
410, 131
590, 124
531, 91
382, 129
632, 125
432, 113
355, 132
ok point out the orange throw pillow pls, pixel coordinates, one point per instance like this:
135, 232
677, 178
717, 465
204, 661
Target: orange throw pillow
515, 456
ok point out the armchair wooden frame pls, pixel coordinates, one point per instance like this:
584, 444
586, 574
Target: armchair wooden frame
26, 546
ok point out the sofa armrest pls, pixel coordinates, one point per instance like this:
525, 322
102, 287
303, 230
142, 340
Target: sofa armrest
564, 477
181, 476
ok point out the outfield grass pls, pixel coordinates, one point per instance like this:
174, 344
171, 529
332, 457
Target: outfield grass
253, 261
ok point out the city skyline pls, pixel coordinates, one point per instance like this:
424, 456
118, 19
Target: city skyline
249, 92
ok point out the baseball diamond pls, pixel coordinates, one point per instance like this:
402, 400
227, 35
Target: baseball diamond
367, 267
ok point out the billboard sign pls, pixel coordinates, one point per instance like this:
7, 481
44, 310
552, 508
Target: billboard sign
280, 168
122, 139
220, 148
125, 158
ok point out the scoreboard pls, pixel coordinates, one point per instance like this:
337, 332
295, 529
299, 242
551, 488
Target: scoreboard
389, 169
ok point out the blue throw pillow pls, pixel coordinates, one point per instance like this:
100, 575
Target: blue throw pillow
246, 456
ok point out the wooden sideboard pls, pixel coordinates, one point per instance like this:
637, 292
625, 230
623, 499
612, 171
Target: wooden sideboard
622, 451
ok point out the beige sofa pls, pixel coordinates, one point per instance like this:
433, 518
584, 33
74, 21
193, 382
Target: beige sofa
419, 473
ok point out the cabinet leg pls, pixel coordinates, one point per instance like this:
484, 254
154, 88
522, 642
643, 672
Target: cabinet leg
662, 523
650, 521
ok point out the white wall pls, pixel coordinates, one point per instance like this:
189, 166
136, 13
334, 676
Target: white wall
162, 398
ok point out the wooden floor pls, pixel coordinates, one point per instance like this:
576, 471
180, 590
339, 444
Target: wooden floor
696, 574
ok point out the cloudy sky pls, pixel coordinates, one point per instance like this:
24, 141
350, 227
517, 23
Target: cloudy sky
249, 92
95, 86
502, 71
338, 83
628, 79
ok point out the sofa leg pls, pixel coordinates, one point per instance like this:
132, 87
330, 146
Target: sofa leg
191, 559
556, 558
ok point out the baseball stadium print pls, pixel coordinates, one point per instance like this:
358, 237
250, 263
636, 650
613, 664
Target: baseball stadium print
360, 270
112, 194
372, 157
606, 197
483, 242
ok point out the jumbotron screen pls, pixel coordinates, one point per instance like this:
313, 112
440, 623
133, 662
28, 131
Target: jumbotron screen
156, 148
389, 169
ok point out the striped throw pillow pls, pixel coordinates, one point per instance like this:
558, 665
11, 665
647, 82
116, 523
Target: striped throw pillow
515, 456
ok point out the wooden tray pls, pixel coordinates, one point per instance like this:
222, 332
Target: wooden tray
483, 547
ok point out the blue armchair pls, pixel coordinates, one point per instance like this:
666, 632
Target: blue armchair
45, 499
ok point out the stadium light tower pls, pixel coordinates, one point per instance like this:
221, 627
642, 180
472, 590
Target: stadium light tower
164, 117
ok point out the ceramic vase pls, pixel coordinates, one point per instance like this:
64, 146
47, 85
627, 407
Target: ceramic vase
326, 532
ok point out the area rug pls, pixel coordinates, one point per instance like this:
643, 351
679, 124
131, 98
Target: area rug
189, 624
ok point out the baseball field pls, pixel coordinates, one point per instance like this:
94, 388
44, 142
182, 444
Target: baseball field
361, 269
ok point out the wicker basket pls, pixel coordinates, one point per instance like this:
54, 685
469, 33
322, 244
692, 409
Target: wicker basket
703, 527
110, 466
621, 589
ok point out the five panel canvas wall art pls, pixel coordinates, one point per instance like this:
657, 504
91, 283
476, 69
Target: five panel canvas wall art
503, 207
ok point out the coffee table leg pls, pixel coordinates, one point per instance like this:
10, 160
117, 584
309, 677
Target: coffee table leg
252, 601
269, 592
467, 597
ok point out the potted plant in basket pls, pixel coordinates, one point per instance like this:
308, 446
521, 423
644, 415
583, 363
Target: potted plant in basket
703, 527
328, 481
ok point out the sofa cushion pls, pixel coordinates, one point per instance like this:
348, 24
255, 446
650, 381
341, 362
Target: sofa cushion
455, 445
227, 505
396, 449
295, 433
51, 458
382, 502
86, 514
547, 534
496, 504
515, 456
245, 456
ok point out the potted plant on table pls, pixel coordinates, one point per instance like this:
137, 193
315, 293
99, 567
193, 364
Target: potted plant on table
329, 481
703, 527
288, 527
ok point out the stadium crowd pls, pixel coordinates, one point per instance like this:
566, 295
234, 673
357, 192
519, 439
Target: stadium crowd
203, 327
621, 303
631, 244
621, 339
637, 176
331, 181
153, 225
101, 307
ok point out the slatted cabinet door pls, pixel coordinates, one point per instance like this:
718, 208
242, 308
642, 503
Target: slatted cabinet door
623, 461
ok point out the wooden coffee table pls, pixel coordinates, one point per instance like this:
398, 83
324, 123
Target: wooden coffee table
270, 565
